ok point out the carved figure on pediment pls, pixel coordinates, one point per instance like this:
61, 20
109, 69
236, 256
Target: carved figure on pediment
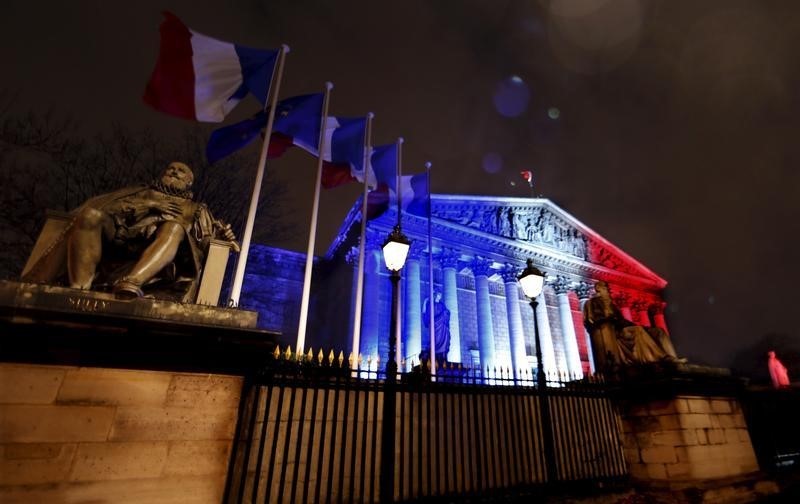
619, 342
548, 229
530, 228
578, 245
488, 221
508, 224
145, 239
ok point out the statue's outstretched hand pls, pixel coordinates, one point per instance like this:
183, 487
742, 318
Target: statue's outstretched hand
225, 232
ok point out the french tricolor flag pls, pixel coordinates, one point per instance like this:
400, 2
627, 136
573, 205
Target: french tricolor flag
202, 79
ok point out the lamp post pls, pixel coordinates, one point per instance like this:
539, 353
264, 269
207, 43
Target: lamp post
395, 251
532, 281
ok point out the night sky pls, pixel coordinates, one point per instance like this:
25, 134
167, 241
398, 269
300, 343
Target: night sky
669, 127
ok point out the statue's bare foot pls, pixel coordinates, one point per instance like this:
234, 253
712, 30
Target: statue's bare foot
125, 289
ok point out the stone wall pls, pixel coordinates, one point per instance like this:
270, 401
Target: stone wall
687, 438
70, 434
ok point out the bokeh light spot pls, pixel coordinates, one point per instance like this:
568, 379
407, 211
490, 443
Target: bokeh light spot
492, 162
511, 96
553, 113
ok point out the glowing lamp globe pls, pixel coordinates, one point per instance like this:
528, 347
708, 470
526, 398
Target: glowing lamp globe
531, 280
395, 250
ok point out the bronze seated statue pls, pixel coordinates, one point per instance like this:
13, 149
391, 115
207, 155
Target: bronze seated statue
142, 240
617, 341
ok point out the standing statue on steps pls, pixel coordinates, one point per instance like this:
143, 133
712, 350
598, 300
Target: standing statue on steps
441, 321
777, 371
148, 239
617, 341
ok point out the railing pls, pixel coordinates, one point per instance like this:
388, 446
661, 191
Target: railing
311, 431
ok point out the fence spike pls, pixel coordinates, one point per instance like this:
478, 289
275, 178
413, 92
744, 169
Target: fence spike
310, 355
428, 364
360, 360
288, 354
341, 358
350, 360
403, 363
369, 361
277, 352
331, 358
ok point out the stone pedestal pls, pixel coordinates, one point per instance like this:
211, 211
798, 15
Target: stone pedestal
103, 400
684, 428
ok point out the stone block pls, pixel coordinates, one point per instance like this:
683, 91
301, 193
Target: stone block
656, 472
638, 471
197, 458
216, 391
659, 455
28, 384
726, 421
668, 422
117, 461
53, 424
716, 436
183, 424
699, 405
113, 386
681, 404
663, 408
694, 421
721, 406
681, 470
702, 436
182, 489
632, 455
739, 421
35, 463
668, 438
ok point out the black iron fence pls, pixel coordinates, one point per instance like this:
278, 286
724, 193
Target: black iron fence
311, 431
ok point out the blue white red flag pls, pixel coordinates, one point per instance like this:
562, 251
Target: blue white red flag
200, 78
414, 189
297, 122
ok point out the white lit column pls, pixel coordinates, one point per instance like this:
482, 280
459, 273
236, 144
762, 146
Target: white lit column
561, 286
482, 269
640, 313
412, 320
545, 335
449, 261
515, 333
658, 315
584, 293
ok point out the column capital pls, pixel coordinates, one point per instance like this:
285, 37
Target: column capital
481, 266
561, 285
639, 305
374, 241
509, 272
584, 290
449, 258
621, 298
416, 251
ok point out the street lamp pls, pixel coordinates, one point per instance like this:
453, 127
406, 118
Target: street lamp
395, 251
532, 281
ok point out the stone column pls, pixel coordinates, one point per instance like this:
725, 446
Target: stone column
449, 262
561, 286
412, 320
482, 269
657, 309
622, 300
515, 333
545, 336
640, 313
584, 292
371, 344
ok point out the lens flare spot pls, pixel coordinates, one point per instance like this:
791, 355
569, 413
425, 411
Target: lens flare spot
553, 113
492, 162
511, 96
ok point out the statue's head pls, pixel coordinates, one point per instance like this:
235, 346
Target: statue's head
601, 288
177, 176
437, 295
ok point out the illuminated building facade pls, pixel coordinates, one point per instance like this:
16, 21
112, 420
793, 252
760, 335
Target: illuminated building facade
479, 244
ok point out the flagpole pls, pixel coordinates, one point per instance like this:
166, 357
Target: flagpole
241, 261
431, 310
398, 329
312, 231
361, 247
